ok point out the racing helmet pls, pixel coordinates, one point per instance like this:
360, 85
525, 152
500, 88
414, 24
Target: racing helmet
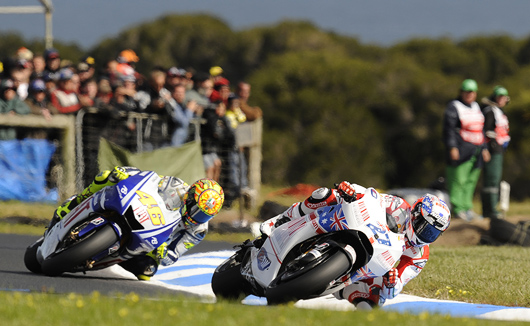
172, 191
202, 201
429, 218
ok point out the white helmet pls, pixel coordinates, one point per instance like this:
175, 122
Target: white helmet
429, 218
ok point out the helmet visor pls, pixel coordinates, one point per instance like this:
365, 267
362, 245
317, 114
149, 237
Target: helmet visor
194, 215
425, 232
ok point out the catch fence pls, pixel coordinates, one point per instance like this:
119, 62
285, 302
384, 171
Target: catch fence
77, 139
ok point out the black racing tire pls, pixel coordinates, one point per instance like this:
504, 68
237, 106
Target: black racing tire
68, 259
30, 257
509, 233
305, 284
228, 283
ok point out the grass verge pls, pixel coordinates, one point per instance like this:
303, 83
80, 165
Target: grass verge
23, 309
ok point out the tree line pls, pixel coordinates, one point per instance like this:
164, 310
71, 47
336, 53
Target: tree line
334, 108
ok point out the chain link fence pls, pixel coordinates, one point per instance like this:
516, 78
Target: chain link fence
76, 138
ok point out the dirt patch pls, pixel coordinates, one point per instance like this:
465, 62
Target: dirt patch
462, 233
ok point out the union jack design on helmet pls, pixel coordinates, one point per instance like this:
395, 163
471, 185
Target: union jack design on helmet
429, 218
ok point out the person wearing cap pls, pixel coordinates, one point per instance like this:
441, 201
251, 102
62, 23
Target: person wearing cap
53, 64
11, 104
127, 60
465, 145
85, 68
174, 77
124, 98
20, 74
38, 101
221, 91
65, 97
39, 105
496, 130
216, 73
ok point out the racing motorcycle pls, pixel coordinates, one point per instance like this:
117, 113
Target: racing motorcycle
113, 225
314, 255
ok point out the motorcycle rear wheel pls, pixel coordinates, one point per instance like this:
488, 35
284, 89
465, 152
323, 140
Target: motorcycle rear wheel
79, 252
300, 284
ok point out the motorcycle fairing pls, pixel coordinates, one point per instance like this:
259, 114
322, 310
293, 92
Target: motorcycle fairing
267, 261
119, 198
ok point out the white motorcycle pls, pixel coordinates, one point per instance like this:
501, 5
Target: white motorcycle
315, 255
112, 226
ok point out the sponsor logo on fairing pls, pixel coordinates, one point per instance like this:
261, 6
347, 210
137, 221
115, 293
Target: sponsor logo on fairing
373, 193
114, 248
97, 221
263, 260
358, 294
315, 205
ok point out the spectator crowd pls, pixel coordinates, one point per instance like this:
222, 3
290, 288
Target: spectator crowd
47, 85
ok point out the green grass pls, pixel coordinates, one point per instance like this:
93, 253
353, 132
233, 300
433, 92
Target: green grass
33, 210
22, 309
478, 274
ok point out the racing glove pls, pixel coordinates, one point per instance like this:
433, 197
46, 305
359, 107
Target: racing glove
346, 191
118, 174
390, 278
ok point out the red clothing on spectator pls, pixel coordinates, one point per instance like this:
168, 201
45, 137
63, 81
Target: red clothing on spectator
65, 101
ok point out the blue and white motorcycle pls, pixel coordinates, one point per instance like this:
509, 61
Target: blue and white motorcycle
112, 226
314, 255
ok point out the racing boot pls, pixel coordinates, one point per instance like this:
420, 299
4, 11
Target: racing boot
145, 267
102, 180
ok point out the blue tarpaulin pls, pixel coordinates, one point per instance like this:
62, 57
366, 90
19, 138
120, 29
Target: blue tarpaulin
23, 166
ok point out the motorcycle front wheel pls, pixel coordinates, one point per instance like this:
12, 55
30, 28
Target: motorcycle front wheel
305, 283
228, 283
30, 257
79, 252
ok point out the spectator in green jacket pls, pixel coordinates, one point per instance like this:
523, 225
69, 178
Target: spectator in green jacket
11, 104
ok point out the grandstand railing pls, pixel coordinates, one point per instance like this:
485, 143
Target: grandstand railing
66, 176
80, 135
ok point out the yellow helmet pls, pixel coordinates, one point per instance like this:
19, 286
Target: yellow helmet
202, 201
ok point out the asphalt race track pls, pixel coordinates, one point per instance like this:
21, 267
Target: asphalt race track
15, 277
191, 276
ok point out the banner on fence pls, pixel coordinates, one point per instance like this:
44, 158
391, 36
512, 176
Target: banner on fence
184, 162
23, 168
